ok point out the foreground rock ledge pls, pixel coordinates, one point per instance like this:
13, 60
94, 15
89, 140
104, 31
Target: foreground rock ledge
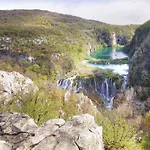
19, 132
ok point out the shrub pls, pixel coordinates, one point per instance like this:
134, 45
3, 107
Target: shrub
35, 68
146, 139
45, 104
69, 108
40, 106
117, 133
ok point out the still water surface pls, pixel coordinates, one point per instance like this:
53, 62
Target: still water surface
111, 53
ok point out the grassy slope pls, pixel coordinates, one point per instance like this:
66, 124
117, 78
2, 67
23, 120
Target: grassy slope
65, 40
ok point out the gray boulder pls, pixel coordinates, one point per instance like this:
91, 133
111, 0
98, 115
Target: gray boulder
12, 83
16, 128
79, 133
5, 146
19, 132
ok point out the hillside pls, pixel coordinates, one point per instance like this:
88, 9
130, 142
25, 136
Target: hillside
140, 35
139, 74
57, 43
139, 51
43, 75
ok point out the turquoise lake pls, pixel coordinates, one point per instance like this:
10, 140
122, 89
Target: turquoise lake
109, 53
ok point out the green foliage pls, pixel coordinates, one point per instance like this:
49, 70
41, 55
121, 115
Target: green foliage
35, 68
117, 133
146, 139
58, 42
104, 45
140, 34
144, 29
69, 108
40, 106
47, 103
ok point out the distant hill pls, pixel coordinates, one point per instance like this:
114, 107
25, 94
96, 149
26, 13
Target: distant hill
58, 43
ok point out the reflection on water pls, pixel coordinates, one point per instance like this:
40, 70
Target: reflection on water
109, 53
117, 54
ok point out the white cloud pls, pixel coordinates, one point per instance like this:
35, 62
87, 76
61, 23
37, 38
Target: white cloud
110, 11
116, 12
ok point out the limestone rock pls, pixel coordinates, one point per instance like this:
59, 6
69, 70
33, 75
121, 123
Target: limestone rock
12, 83
81, 132
5, 146
15, 128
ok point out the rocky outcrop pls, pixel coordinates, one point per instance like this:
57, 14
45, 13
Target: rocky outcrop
140, 35
12, 83
140, 56
112, 38
123, 40
19, 132
139, 68
139, 73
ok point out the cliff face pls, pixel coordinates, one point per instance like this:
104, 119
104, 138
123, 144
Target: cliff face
111, 38
140, 35
140, 65
139, 51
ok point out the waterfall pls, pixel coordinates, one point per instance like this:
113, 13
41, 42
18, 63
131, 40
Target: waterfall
113, 39
107, 88
102, 91
95, 85
108, 91
77, 87
109, 106
66, 84
125, 80
63, 83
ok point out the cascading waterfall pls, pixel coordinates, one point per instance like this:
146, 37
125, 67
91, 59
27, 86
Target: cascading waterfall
77, 87
125, 80
107, 89
66, 84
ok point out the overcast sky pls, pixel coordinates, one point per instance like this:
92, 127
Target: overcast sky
109, 11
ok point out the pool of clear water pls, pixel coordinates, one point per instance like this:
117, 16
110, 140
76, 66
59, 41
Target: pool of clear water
111, 53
